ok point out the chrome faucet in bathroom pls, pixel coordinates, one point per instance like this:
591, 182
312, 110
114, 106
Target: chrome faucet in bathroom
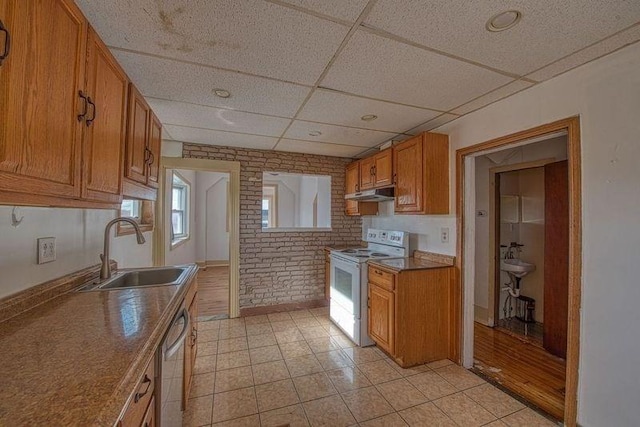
105, 270
508, 254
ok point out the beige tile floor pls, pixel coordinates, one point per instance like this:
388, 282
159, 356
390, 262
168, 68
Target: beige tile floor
298, 369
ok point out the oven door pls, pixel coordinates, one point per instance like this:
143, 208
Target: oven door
345, 285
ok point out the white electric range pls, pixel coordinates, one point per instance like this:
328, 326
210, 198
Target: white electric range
349, 281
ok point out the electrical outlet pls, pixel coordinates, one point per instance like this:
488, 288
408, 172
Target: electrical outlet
46, 249
444, 234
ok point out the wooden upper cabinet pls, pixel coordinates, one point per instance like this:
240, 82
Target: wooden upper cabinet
352, 185
137, 136
421, 166
383, 168
105, 126
40, 135
153, 155
367, 179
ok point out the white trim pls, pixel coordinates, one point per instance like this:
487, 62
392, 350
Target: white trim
233, 207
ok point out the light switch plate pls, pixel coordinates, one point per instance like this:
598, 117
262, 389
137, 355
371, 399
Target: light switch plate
46, 249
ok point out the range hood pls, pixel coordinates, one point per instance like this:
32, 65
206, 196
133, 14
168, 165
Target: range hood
375, 195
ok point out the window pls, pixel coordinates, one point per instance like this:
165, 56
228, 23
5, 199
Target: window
142, 211
269, 206
180, 193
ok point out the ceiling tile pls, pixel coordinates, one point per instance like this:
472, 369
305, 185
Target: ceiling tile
341, 109
548, 31
381, 68
340, 9
493, 96
336, 134
611, 44
320, 148
178, 81
225, 139
253, 36
178, 113
433, 124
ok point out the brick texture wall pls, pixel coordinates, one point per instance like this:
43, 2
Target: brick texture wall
282, 267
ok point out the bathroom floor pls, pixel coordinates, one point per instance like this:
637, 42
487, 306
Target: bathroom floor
297, 369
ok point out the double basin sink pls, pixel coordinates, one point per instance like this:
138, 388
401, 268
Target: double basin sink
142, 277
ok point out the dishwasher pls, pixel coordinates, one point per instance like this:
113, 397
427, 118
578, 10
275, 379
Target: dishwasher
171, 371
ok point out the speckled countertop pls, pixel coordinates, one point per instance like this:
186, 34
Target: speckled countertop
75, 360
405, 264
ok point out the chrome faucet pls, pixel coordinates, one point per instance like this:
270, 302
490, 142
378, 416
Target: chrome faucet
105, 270
510, 249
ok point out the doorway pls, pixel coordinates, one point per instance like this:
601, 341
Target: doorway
503, 301
198, 217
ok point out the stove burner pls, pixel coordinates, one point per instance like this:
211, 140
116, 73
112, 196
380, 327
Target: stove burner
378, 254
349, 251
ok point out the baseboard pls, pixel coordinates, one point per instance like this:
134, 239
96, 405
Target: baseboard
212, 263
279, 308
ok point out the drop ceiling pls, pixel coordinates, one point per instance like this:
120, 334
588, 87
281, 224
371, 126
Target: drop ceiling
302, 73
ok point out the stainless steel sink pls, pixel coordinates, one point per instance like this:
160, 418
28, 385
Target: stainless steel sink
143, 277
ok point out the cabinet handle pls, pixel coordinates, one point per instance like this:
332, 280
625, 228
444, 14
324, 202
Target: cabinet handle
7, 42
138, 396
395, 178
378, 272
152, 158
93, 116
194, 337
86, 106
375, 170
368, 302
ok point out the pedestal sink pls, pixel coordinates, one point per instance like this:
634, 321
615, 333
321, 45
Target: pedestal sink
516, 267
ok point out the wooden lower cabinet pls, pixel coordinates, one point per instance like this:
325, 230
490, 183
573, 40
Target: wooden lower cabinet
409, 313
150, 417
191, 344
142, 404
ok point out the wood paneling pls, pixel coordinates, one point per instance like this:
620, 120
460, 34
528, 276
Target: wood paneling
137, 137
104, 135
521, 367
40, 152
556, 257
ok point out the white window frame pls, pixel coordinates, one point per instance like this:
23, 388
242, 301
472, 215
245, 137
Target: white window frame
178, 181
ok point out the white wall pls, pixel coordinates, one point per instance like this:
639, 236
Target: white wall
184, 253
212, 237
606, 95
79, 237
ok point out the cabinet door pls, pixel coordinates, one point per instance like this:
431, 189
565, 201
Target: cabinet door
367, 180
352, 185
382, 317
40, 133
383, 168
105, 127
136, 158
190, 349
408, 166
155, 140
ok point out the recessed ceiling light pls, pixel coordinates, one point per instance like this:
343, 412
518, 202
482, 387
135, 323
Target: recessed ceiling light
369, 117
222, 93
315, 133
503, 20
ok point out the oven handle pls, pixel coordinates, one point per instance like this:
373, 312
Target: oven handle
171, 349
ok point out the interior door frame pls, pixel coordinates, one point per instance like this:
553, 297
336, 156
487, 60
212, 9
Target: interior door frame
233, 210
463, 316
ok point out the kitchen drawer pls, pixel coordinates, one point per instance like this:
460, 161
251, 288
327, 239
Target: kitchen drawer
382, 278
135, 414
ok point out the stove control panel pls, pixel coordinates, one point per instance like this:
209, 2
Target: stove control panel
386, 237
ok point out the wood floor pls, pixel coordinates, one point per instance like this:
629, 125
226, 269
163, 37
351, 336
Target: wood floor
213, 291
525, 369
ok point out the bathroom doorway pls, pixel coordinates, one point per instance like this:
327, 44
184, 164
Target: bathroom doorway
519, 257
